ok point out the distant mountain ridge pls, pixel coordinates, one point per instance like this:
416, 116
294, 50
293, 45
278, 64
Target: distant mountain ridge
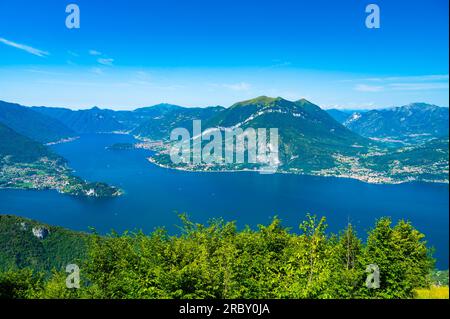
32, 124
311, 140
409, 123
94, 120
162, 118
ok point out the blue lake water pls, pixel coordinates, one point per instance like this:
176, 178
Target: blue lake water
154, 195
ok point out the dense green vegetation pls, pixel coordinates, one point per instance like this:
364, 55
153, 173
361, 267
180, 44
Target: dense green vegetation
427, 161
27, 164
20, 248
15, 147
440, 277
218, 261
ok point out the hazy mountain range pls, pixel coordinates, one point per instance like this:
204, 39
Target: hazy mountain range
410, 123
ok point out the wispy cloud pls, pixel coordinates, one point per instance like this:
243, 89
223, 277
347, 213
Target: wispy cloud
368, 88
97, 71
94, 52
105, 61
101, 58
403, 83
413, 78
25, 48
46, 72
279, 63
241, 86
73, 53
418, 86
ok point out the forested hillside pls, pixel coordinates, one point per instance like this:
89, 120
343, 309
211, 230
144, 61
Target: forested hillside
37, 126
220, 261
29, 244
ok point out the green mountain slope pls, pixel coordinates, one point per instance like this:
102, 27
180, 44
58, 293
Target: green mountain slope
27, 164
312, 142
308, 136
426, 162
26, 121
21, 248
15, 147
163, 118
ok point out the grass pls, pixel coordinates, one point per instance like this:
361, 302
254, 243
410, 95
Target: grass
435, 292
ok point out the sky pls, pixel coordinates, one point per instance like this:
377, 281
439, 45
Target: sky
135, 53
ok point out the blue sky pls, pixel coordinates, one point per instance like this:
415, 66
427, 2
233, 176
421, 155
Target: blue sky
134, 53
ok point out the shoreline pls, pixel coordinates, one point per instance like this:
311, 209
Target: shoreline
152, 161
62, 141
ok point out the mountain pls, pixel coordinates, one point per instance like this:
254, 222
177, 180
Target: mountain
27, 243
35, 125
308, 136
150, 122
94, 120
409, 123
19, 148
427, 161
27, 164
311, 141
158, 109
161, 119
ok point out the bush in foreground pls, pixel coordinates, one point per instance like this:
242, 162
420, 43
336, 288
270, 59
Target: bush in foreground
218, 261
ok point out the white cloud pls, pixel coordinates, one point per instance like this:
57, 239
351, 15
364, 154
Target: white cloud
241, 86
105, 61
418, 86
404, 83
97, 71
94, 52
25, 48
413, 78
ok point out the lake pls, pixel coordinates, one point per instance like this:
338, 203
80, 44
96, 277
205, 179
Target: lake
154, 196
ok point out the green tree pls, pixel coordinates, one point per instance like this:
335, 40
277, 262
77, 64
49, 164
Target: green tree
402, 257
